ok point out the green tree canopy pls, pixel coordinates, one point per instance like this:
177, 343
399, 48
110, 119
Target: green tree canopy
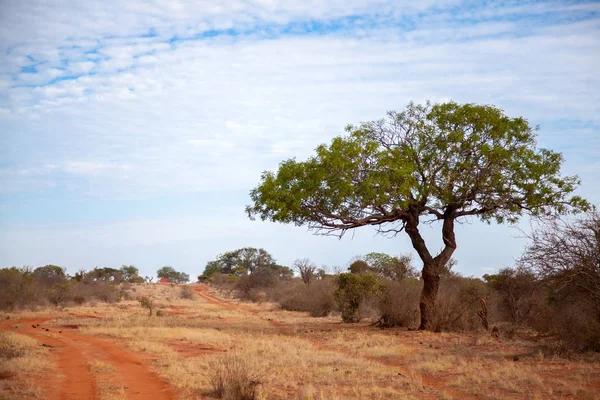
239, 262
172, 275
103, 274
391, 267
129, 273
432, 162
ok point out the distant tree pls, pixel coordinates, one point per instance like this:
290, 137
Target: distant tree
358, 266
79, 275
306, 269
130, 273
166, 272
50, 274
172, 275
238, 262
432, 162
105, 274
391, 267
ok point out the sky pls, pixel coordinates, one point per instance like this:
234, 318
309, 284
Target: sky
132, 132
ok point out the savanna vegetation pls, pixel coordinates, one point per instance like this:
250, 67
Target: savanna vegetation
27, 288
383, 325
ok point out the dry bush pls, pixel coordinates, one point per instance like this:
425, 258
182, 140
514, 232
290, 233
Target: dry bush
457, 304
569, 319
248, 286
232, 377
317, 298
514, 294
187, 293
223, 279
9, 348
147, 303
18, 289
89, 291
399, 303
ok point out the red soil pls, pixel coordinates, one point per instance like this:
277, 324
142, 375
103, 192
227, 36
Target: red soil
73, 352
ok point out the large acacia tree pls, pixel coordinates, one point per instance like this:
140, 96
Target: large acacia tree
432, 162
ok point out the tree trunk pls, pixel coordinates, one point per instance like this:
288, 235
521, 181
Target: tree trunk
431, 265
431, 284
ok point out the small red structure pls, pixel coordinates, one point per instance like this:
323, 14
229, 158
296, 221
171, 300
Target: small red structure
163, 280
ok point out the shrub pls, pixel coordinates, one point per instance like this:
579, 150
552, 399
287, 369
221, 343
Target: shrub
147, 303
514, 290
187, 293
457, 304
569, 319
352, 290
17, 289
317, 298
399, 303
58, 293
232, 378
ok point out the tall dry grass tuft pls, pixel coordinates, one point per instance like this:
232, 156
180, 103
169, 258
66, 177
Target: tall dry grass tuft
235, 377
10, 347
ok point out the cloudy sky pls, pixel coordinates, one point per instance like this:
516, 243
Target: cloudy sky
131, 132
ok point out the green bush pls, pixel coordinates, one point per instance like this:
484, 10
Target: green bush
352, 290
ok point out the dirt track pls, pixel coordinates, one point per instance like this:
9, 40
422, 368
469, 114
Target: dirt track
74, 353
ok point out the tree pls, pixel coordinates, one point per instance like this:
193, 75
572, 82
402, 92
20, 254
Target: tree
106, 274
172, 275
50, 274
358, 266
428, 163
395, 268
306, 269
238, 262
130, 273
568, 253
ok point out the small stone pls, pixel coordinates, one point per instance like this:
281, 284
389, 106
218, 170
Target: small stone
516, 358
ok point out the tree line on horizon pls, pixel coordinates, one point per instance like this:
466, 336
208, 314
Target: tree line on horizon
50, 284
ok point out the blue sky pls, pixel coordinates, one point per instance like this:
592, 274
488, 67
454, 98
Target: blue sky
132, 133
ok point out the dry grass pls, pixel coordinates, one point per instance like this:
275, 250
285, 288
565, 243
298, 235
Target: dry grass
290, 355
23, 361
97, 366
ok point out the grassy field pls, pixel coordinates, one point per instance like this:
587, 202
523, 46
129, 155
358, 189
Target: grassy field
208, 347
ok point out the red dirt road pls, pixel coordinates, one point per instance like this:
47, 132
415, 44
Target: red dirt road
74, 352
